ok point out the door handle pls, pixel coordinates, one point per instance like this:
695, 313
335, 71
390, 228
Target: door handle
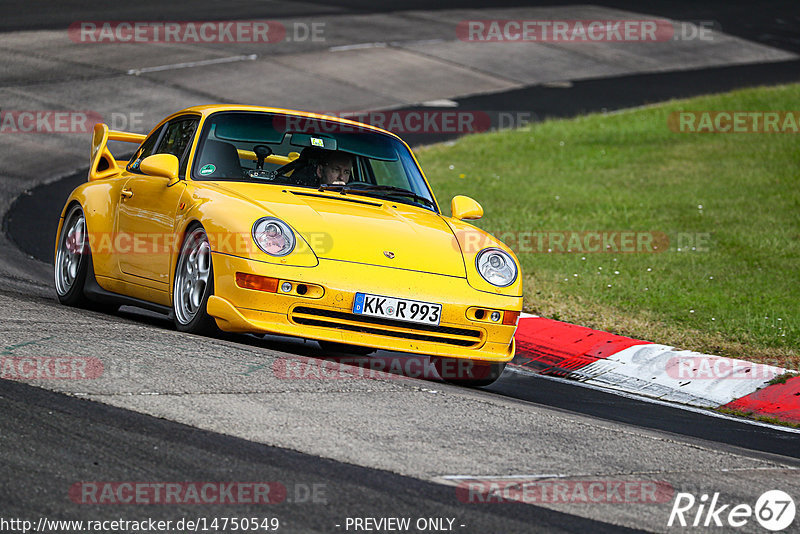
126, 193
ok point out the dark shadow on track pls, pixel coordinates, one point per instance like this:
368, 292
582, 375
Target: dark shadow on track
540, 102
31, 222
592, 402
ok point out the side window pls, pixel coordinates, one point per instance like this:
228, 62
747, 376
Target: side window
145, 149
177, 140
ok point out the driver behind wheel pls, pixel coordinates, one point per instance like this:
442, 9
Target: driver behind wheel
316, 166
335, 168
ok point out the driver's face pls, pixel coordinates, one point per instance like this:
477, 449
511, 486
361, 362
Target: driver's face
335, 171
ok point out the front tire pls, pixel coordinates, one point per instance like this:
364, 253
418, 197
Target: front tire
72, 259
469, 373
194, 283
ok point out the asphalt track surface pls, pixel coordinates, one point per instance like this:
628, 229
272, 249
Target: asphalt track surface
66, 439
50, 440
770, 22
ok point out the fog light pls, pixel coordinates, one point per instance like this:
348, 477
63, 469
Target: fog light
286, 287
495, 316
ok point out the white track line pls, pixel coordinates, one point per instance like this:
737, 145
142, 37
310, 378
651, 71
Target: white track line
383, 44
190, 64
453, 479
358, 46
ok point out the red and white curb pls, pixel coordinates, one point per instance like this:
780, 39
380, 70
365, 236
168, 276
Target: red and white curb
619, 363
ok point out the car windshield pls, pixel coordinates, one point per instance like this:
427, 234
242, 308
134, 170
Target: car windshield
316, 153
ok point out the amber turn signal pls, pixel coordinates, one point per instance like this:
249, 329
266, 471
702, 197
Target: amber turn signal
510, 317
259, 283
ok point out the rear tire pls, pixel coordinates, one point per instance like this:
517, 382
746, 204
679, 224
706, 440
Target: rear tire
72, 259
333, 346
469, 373
194, 283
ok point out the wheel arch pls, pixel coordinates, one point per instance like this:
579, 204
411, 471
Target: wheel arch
187, 225
96, 199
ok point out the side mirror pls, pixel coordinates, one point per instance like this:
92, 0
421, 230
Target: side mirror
462, 207
163, 165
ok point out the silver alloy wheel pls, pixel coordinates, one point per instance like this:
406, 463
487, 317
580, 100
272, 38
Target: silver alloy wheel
71, 248
191, 276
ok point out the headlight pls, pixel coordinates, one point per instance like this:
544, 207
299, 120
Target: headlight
496, 267
273, 236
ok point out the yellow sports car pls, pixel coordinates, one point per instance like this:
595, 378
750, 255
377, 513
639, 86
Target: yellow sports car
263, 220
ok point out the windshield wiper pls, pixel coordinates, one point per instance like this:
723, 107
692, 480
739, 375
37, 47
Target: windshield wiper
331, 187
365, 188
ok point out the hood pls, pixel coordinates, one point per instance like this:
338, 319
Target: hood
360, 229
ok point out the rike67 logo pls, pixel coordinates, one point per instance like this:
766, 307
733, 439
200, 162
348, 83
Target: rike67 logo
774, 510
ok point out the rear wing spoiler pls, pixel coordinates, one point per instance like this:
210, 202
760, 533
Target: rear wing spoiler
102, 162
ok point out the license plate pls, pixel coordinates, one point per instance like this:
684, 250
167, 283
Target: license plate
412, 311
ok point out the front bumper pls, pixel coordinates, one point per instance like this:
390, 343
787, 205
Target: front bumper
327, 314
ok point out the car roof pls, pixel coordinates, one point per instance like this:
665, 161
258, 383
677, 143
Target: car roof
208, 109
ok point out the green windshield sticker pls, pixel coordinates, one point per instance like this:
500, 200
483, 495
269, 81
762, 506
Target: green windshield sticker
205, 170
317, 142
